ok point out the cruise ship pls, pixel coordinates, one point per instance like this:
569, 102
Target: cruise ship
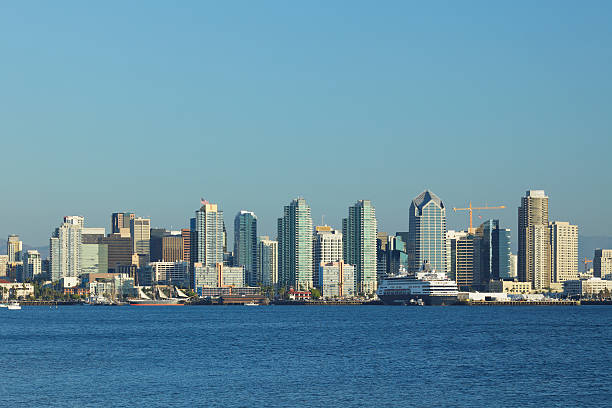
426, 286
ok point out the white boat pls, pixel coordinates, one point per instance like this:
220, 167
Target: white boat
14, 306
251, 304
3, 305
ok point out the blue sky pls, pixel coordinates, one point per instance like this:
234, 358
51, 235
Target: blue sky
148, 106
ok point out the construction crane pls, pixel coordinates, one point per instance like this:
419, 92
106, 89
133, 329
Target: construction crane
470, 209
586, 262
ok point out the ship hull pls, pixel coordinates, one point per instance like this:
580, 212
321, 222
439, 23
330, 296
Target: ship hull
397, 300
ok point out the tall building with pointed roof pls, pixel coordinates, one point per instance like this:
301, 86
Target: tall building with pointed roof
427, 232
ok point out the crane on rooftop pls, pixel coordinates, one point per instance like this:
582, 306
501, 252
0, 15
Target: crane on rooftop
469, 208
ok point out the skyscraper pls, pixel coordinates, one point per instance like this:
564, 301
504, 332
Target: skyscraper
31, 264
602, 263
208, 235
427, 232
494, 255
14, 247
295, 246
534, 240
564, 251
267, 261
65, 251
359, 235
140, 231
120, 222
245, 245
327, 247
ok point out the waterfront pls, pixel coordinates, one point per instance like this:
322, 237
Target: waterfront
315, 356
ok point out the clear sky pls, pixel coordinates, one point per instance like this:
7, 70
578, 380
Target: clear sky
148, 106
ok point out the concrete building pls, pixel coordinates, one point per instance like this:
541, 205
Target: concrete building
14, 247
564, 251
464, 268
208, 227
217, 276
295, 246
32, 264
186, 236
511, 287
427, 232
534, 264
15, 290
140, 232
109, 285
513, 266
75, 220
494, 256
587, 287
267, 261
337, 279
245, 245
327, 247
3, 264
65, 249
359, 241
165, 273
602, 263
120, 223
119, 251
172, 247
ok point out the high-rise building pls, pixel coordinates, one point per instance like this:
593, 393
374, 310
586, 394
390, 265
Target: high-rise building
172, 247
337, 279
564, 251
267, 261
534, 240
245, 245
120, 223
295, 246
208, 228
94, 254
65, 250
427, 232
217, 276
327, 247
494, 254
186, 236
140, 232
75, 220
513, 266
166, 273
602, 263
119, 251
14, 247
391, 255
359, 234
155, 244
32, 264
465, 259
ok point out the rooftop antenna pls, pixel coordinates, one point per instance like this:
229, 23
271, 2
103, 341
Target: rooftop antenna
322, 219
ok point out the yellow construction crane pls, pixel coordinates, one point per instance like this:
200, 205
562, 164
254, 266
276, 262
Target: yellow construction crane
470, 209
586, 262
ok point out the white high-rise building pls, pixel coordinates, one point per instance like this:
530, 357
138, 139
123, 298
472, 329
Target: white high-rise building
75, 220
208, 231
602, 263
65, 251
32, 264
14, 247
327, 247
564, 251
534, 240
267, 261
359, 235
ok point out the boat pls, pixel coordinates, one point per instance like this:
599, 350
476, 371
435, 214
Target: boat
251, 304
14, 306
161, 299
426, 287
3, 305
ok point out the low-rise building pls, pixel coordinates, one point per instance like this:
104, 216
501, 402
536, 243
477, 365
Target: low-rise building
15, 290
512, 287
587, 287
336, 279
217, 276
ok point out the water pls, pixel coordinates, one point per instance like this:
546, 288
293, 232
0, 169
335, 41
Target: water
324, 356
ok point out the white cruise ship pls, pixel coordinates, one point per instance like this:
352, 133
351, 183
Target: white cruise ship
431, 287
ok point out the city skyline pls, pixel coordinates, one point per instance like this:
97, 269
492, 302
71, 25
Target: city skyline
161, 92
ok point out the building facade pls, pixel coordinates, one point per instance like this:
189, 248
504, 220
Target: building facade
120, 223
208, 234
32, 264
337, 280
217, 276
327, 247
14, 247
602, 263
65, 251
245, 245
359, 242
295, 246
427, 232
534, 240
267, 261
564, 251
140, 232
